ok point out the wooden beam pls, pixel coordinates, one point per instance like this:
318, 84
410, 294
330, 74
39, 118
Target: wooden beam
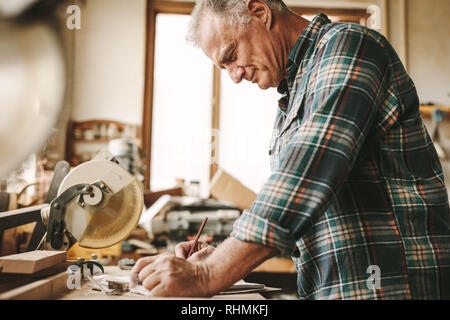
175, 7
148, 92
43, 289
153, 8
344, 12
215, 123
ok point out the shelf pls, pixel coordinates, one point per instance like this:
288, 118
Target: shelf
99, 128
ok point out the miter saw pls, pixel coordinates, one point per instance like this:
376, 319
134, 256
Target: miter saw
99, 203
96, 204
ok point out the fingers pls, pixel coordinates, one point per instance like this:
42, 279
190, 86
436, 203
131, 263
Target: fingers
167, 275
145, 272
201, 254
140, 264
151, 282
182, 249
159, 290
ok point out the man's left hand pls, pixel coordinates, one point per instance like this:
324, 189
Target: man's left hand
170, 276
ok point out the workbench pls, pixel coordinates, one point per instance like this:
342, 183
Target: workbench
54, 287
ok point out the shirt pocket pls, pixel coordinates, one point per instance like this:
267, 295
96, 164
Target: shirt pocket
274, 150
281, 137
296, 111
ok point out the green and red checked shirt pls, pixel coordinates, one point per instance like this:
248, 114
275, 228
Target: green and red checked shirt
356, 183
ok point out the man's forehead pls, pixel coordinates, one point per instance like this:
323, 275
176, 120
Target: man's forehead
214, 35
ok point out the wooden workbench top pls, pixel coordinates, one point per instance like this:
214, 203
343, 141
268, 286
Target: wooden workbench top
55, 287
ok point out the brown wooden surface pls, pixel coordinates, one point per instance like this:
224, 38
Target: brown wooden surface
215, 123
41, 289
31, 262
10, 281
147, 114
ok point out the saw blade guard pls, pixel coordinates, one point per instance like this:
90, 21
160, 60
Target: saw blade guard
100, 224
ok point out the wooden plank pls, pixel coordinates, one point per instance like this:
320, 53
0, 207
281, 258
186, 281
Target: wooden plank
9, 281
31, 262
12, 277
47, 288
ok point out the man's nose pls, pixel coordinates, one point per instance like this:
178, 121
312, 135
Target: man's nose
236, 73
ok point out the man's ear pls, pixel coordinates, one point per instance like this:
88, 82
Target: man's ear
261, 11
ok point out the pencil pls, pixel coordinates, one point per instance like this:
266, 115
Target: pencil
196, 238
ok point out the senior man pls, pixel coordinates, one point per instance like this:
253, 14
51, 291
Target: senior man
356, 184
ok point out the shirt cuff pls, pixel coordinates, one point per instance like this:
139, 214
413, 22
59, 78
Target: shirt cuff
250, 227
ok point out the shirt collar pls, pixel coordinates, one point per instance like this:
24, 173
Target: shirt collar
304, 41
299, 50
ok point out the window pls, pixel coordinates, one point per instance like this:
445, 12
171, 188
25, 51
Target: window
247, 114
189, 104
182, 106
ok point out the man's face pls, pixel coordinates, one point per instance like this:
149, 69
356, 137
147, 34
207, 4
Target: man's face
248, 53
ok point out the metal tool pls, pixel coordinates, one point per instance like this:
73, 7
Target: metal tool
126, 263
89, 265
98, 204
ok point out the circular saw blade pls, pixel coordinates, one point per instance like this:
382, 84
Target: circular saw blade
110, 222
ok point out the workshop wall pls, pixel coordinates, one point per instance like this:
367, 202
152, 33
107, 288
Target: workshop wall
428, 46
428, 59
112, 41
109, 62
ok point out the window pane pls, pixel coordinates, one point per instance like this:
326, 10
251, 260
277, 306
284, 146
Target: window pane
181, 107
247, 114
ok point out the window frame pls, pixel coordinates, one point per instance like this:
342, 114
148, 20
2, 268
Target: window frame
176, 7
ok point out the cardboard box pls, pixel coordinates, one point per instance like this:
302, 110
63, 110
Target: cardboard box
227, 188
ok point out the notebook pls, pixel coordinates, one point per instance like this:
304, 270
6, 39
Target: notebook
244, 287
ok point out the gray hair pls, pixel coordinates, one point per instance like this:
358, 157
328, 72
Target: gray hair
233, 11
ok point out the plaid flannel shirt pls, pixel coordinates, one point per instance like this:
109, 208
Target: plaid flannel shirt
356, 183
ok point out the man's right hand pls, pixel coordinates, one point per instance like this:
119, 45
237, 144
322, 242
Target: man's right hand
203, 250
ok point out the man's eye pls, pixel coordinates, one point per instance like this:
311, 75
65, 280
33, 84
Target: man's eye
232, 56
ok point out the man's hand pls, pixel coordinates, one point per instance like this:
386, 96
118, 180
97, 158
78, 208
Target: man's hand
168, 275
203, 250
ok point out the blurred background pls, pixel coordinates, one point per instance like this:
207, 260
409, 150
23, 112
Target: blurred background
77, 76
